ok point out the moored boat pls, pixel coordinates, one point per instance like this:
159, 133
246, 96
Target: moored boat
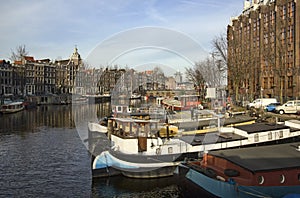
148, 139
265, 171
80, 100
100, 126
183, 102
12, 107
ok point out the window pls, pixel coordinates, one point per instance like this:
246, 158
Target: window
283, 12
256, 138
170, 150
282, 179
261, 179
290, 81
270, 136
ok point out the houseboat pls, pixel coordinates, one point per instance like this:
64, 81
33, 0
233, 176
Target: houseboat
147, 141
265, 171
80, 100
12, 107
183, 102
100, 126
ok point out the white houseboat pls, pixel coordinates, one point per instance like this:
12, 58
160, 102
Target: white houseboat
12, 107
149, 148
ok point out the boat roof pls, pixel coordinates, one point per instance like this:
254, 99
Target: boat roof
211, 138
135, 120
261, 127
263, 158
12, 103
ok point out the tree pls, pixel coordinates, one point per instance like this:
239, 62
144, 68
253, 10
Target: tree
204, 73
219, 53
19, 53
194, 75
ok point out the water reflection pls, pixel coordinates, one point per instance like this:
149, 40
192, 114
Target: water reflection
119, 186
41, 155
59, 116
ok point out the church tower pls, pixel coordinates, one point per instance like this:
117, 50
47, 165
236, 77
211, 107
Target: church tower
75, 57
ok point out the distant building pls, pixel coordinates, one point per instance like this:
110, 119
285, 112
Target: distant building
108, 80
6, 78
185, 86
67, 71
170, 83
178, 77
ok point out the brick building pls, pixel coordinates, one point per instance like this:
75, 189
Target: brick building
264, 50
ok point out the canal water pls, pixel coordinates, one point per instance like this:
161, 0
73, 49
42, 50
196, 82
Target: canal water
43, 154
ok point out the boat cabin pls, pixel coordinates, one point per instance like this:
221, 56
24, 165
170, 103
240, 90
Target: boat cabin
12, 107
273, 165
137, 135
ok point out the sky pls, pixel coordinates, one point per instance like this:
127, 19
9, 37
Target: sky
52, 28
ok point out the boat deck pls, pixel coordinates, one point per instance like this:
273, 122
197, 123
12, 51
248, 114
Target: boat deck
140, 158
272, 157
212, 137
261, 127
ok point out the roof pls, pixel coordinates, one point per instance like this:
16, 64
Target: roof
128, 120
29, 58
261, 127
211, 138
263, 158
18, 62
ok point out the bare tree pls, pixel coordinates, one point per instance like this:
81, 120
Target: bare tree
194, 75
19, 52
205, 73
219, 44
219, 53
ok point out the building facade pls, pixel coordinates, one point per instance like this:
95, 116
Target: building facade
6, 74
263, 51
31, 77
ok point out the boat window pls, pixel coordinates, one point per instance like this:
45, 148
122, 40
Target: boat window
256, 138
158, 151
270, 136
282, 179
280, 134
261, 179
170, 150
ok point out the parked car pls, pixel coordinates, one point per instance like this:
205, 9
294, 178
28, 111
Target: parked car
272, 107
261, 102
292, 106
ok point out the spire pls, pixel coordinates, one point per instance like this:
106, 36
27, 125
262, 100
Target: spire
76, 50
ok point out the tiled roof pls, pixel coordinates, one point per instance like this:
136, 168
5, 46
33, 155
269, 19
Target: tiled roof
29, 58
18, 62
